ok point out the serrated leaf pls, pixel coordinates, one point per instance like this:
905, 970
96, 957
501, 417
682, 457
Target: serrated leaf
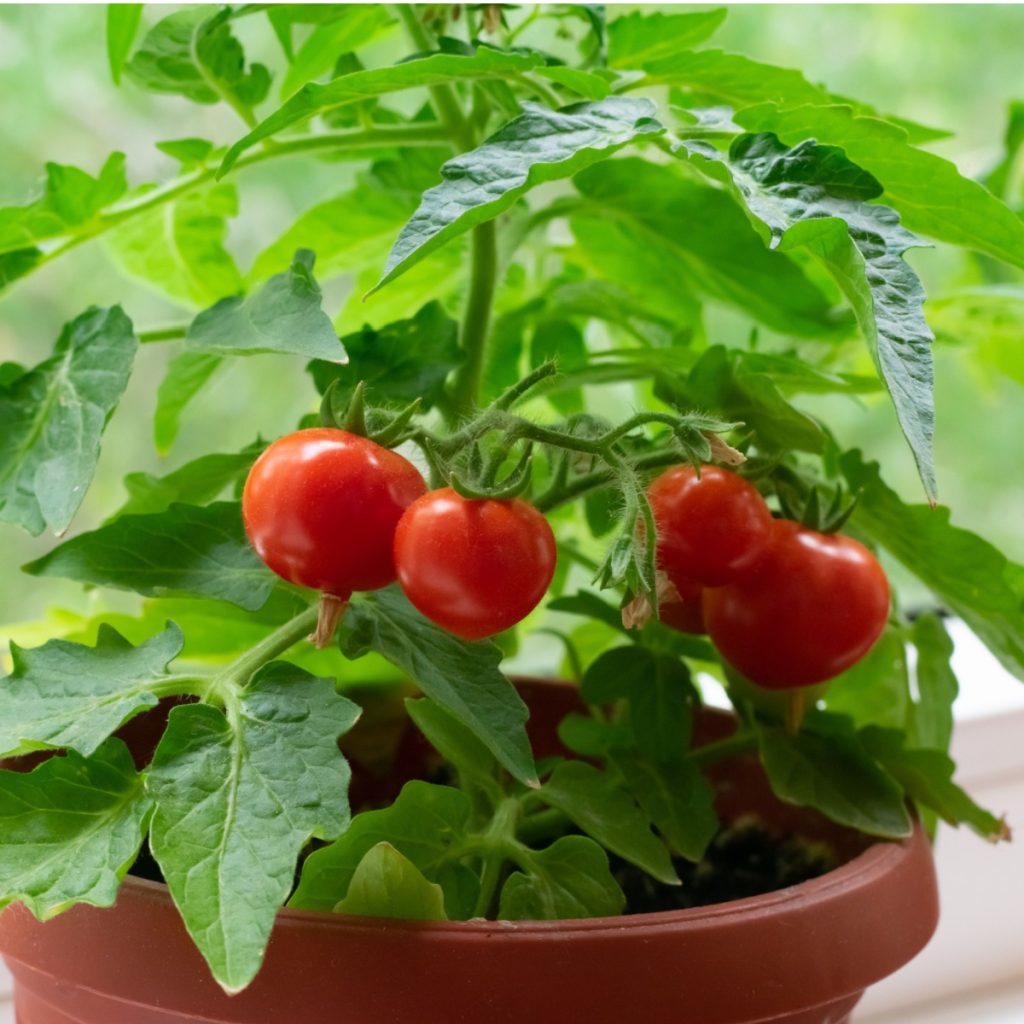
607, 813
185, 376
70, 829
937, 685
973, 578
237, 798
876, 691
826, 767
461, 677
640, 38
423, 824
451, 739
67, 695
122, 25
386, 884
538, 146
436, 69
813, 197
568, 880
53, 416
192, 53
401, 362
285, 315
177, 248
187, 549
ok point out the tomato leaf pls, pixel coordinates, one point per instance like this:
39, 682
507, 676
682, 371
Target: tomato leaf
283, 316
638, 39
607, 813
122, 25
189, 549
937, 685
53, 416
70, 829
67, 695
451, 739
463, 678
569, 879
386, 884
538, 146
184, 378
237, 798
423, 824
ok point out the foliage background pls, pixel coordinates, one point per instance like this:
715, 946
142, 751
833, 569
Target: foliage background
955, 67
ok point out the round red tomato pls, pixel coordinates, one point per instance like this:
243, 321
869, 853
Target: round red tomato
320, 507
812, 607
474, 567
711, 528
684, 610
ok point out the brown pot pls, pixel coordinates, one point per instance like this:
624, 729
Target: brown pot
802, 955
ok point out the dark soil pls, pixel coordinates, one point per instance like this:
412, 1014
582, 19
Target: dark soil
744, 860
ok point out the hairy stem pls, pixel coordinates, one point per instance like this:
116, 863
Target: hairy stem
476, 324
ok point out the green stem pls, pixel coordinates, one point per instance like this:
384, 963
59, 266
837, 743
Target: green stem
741, 742
497, 840
171, 333
581, 485
475, 326
543, 825
548, 96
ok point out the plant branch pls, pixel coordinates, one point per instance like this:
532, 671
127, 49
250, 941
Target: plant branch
476, 324
741, 742
174, 332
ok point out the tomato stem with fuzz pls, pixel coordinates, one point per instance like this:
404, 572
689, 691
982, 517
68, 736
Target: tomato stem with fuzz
329, 614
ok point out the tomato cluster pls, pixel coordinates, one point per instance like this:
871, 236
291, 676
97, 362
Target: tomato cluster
328, 509
785, 605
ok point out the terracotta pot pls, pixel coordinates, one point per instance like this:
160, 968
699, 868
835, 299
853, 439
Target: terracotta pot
802, 955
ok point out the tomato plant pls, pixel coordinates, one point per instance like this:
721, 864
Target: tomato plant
538, 263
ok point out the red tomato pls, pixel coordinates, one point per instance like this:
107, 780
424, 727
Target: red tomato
811, 608
711, 529
474, 567
321, 506
686, 613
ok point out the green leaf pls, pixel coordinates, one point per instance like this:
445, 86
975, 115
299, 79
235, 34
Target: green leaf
927, 776
638, 39
538, 146
451, 739
122, 25
973, 578
583, 83
355, 26
826, 767
186, 374
568, 880
17, 264
931, 195
423, 824
401, 362
813, 197
1004, 179
53, 416
69, 830
386, 884
436, 69
588, 604
676, 797
463, 678
66, 695
237, 798
607, 813
937, 685
189, 153
177, 248
876, 691
283, 316
646, 215
192, 53
187, 549
71, 200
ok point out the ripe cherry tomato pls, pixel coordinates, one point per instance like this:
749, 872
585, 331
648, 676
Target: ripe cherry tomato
711, 529
474, 567
320, 507
685, 613
811, 608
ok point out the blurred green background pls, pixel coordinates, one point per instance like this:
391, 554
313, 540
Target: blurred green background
952, 67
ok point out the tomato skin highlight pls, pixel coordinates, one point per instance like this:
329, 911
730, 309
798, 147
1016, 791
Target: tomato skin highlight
321, 506
811, 608
474, 568
711, 529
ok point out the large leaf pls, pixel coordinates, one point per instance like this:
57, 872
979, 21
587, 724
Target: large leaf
607, 813
972, 577
186, 374
692, 237
283, 316
931, 195
462, 677
436, 69
187, 549
237, 798
452, 740
177, 248
386, 884
70, 829
876, 691
813, 197
639, 38
67, 695
538, 146
52, 418
423, 824
122, 25
937, 685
